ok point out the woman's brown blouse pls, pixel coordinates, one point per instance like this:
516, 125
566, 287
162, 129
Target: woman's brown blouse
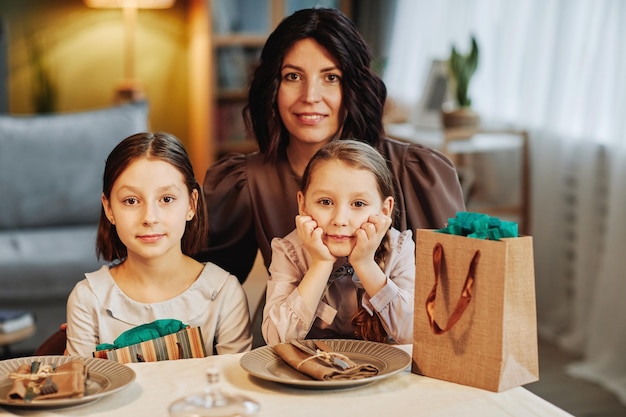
250, 201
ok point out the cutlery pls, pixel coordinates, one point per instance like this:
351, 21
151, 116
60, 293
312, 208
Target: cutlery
30, 391
49, 386
321, 345
306, 349
330, 358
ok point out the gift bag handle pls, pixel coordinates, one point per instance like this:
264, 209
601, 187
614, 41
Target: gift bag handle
466, 294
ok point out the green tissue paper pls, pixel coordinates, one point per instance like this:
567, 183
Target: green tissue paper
479, 226
144, 333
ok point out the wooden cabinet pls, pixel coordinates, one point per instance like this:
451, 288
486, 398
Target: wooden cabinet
239, 32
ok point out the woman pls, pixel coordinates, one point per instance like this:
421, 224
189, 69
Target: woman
314, 84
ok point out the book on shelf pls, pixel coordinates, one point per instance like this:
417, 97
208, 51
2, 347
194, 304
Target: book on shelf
14, 320
235, 64
229, 123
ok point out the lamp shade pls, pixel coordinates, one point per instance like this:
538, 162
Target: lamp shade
137, 4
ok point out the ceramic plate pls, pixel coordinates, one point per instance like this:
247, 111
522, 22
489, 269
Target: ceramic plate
105, 378
263, 363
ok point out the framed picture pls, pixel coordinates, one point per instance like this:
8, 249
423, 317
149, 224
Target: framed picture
427, 113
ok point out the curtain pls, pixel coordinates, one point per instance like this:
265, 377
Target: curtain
605, 343
555, 68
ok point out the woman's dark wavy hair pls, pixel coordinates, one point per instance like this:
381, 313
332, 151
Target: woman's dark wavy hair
360, 156
157, 146
364, 93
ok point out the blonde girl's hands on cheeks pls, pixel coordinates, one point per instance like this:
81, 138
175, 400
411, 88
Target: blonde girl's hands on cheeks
368, 238
311, 236
313, 283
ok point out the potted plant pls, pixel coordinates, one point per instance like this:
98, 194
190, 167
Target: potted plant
44, 92
461, 68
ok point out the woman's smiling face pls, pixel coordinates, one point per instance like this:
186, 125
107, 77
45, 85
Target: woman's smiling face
310, 93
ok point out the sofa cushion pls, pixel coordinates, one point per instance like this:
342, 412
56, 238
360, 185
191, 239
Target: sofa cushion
45, 263
51, 165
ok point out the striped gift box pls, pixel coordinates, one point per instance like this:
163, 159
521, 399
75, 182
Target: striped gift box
185, 344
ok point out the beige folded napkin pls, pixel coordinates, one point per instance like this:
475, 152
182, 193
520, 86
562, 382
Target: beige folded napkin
317, 369
69, 378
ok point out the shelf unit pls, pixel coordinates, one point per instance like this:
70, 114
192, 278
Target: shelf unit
462, 145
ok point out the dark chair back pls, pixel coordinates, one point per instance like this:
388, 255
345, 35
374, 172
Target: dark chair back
54, 345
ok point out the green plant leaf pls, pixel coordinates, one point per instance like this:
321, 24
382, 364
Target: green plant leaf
462, 68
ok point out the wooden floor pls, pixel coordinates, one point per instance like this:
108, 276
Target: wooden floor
576, 396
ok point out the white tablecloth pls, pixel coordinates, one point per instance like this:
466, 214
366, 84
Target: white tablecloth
404, 394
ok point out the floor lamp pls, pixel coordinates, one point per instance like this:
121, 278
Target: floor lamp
130, 89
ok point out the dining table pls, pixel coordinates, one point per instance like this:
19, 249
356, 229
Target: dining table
157, 384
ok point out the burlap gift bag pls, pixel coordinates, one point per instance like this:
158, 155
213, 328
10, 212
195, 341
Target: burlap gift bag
475, 314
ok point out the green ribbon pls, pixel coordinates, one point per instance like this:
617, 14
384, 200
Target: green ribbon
143, 333
479, 226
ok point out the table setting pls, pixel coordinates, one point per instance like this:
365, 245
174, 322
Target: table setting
474, 348
279, 389
45, 382
355, 362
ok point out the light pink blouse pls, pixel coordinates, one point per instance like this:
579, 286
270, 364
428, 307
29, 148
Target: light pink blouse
98, 311
286, 316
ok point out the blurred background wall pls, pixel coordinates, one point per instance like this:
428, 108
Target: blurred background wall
81, 50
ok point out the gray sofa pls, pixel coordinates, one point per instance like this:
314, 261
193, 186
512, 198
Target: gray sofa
50, 185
